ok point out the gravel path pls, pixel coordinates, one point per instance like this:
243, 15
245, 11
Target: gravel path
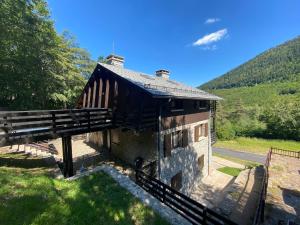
241, 155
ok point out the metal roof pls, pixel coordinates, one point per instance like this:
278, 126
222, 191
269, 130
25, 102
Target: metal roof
160, 87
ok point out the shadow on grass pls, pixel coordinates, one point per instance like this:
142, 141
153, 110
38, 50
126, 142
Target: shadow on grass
96, 199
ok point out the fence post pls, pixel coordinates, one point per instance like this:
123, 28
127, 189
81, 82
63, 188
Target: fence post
204, 216
164, 193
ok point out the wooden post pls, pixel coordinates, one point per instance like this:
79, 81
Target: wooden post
89, 98
94, 94
84, 100
107, 87
100, 93
67, 156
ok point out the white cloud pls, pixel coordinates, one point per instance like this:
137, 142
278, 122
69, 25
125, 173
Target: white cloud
212, 20
211, 38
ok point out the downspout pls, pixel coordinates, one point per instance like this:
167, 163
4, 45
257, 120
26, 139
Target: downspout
209, 140
158, 141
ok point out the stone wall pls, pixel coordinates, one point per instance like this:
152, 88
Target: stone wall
186, 159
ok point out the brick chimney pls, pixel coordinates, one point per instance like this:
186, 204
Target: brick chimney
115, 60
163, 73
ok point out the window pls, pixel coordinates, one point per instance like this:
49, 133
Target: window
200, 131
200, 104
201, 162
175, 140
176, 105
176, 181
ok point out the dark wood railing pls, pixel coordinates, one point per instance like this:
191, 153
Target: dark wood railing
260, 210
41, 125
289, 153
138, 120
193, 211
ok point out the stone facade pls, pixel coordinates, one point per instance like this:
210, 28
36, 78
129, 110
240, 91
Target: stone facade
186, 159
128, 145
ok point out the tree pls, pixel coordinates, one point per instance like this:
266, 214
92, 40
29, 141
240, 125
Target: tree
39, 69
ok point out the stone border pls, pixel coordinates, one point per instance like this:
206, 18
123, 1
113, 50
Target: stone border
125, 182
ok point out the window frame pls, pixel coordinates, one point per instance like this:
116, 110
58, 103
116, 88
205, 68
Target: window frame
202, 132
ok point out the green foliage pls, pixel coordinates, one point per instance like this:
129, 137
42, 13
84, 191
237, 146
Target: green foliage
230, 171
283, 120
225, 131
39, 69
259, 111
277, 64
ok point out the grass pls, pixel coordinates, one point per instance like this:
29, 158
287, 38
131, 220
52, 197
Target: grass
246, 163
31, 196
230, 171
257, 145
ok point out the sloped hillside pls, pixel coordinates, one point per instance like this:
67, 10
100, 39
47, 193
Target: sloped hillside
281, 63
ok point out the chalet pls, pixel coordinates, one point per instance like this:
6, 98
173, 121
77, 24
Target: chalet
156, 121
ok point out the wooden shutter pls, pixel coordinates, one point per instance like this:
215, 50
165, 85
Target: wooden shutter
196, 133
185, 138
206, 129
167, 145
201, 162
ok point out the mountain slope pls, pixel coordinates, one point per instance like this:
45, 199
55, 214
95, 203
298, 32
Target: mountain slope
280, 63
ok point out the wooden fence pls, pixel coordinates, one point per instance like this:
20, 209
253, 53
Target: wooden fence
193, 211
259, 215
289, 153
40, 125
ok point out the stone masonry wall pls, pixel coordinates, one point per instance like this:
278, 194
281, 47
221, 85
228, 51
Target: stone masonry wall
185, 159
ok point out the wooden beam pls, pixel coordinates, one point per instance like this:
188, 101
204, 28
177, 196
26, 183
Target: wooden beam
106, 94
67, 156
100, 93
94, 94
84, 100
89, 98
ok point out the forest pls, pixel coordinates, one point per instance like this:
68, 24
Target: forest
262, 96
39, 68
264, 111
281, 63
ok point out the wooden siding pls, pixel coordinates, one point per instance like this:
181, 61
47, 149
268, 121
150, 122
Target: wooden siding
175, 121
132, 107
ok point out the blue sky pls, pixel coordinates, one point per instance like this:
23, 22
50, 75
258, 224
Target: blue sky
196, 40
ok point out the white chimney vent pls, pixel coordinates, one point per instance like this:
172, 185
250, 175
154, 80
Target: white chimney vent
115, 60
163, 73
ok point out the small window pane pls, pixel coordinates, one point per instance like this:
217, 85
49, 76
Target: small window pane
176, 181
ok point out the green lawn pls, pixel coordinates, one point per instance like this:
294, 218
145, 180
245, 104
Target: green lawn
256, 145
246, 163
31, 196
230, 171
